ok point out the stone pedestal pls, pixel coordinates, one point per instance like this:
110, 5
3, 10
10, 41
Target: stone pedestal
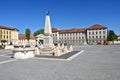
47, 51
47, 46
48, 41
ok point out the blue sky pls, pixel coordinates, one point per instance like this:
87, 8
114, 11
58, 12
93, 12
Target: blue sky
64, 14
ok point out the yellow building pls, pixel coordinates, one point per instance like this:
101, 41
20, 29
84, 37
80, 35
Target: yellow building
9, 34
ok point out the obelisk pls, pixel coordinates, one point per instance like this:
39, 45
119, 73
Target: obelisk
48, 40
47, 29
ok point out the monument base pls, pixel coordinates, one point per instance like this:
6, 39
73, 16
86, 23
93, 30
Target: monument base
47, 51
48, 41
48, 48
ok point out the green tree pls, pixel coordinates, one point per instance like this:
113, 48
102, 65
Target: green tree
40, 31
111, 36
3, 41
27, 34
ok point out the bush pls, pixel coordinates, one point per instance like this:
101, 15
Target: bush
65, 44
3, 41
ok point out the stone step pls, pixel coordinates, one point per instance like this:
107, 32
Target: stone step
46, 51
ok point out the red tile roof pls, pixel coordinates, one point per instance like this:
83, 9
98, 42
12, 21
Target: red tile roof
22, 36
8, 28
74, 30
32, 36
97, 26
55, 30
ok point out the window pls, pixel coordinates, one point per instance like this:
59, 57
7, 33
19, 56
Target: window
103, 32
89, 40
100, 32
79, 37
96, 32
4, 37
89, 37
92, 32
7, 32
96, 37
89, 33
103, 36
82, 37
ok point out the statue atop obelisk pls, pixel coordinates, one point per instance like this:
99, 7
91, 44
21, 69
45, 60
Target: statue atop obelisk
47, 29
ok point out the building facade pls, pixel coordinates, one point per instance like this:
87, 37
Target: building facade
9, 34
91, 35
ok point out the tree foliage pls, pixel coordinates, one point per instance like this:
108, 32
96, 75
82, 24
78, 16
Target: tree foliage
40, 31
27, 34
3, 41
111, 36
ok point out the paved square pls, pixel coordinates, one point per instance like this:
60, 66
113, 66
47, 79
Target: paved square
97, 62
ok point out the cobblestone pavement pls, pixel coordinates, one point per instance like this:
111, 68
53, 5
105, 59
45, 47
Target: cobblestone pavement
97, 62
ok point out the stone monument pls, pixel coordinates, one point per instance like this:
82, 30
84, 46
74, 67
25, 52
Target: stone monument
48, 40
47, 47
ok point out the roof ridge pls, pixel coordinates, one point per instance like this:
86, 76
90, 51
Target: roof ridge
6, 27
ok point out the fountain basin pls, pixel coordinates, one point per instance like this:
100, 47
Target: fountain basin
23, 53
